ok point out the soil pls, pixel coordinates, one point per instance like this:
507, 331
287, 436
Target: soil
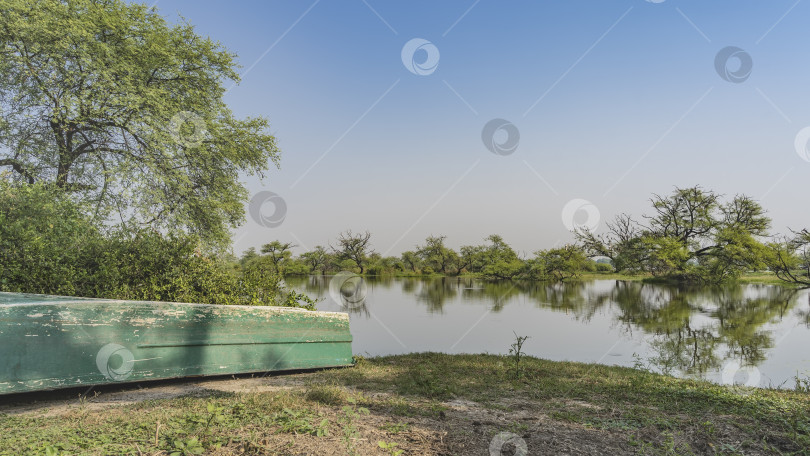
462, 428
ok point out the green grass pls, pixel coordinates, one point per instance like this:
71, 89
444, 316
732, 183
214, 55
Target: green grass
656, 414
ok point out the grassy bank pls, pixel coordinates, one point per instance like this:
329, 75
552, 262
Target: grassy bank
431, 404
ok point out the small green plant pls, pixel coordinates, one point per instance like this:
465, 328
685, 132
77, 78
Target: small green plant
390, 448
53, 450
639, 364
185, 447
215, 415
709, 428
350, 432
301, 422
802, 384
394, 428
516, 353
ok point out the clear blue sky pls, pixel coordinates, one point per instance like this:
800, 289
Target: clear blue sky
613, 100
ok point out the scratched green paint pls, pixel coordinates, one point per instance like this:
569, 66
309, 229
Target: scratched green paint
49, 342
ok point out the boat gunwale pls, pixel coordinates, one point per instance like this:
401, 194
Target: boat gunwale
80, 300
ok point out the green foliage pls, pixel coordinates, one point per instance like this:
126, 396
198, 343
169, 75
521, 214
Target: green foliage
801, 385
47, 245
301, 422
691, 235
42, 234
604, 267
353, 249
347, 419
500, 260
108, 101
412, 261
516, 354
561, 263
390, 447
53, 450
379, 265
186, 447
437, 256
317, 260
789, 258
278, 253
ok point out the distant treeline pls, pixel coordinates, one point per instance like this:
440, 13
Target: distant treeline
691, 235
494, 259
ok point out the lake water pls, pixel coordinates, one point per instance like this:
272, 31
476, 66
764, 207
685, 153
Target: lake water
758, 335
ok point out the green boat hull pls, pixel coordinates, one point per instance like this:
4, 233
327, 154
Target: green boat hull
51, 342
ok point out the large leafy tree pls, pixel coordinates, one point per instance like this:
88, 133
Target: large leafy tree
789, 258
692, 227
411, 260
691, 234
622, 243
107, 101
500, 260
354, 248
317, 260
436, 255
278, 252
561, 263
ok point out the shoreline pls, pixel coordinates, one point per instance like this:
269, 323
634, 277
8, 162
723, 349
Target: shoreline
423, 403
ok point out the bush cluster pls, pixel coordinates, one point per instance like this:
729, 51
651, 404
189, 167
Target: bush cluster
49, 245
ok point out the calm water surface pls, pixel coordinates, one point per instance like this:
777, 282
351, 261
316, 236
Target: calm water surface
726, 334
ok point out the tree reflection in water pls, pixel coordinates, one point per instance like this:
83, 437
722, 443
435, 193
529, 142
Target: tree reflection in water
692, 329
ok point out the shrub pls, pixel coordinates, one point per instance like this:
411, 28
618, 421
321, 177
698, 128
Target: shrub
604, 267
49, 245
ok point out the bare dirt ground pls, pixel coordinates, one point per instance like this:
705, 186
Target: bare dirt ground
462, 428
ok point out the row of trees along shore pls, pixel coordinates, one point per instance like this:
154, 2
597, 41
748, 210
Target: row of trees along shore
691, 235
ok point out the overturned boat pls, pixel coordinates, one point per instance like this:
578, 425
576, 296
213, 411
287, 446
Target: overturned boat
51, 342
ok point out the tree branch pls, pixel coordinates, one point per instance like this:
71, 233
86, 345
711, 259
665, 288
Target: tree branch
17, 166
